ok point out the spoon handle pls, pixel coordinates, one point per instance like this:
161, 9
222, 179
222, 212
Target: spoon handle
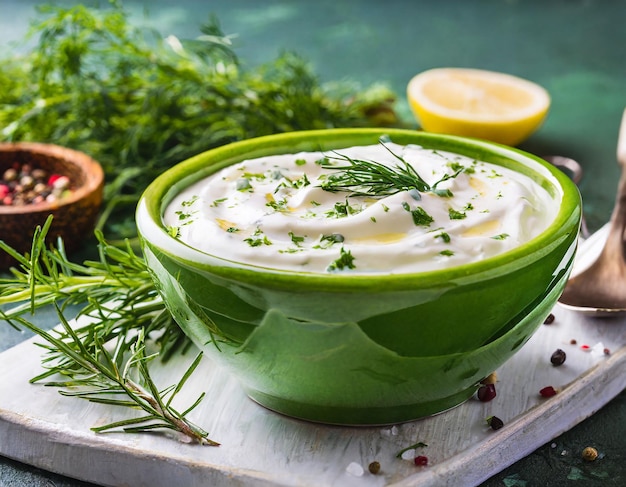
617, 235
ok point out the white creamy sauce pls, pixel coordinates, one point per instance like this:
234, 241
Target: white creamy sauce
273, 212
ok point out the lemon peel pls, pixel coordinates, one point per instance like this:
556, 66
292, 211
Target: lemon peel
476, 103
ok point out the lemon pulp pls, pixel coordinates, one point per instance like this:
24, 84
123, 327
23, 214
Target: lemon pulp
477, 103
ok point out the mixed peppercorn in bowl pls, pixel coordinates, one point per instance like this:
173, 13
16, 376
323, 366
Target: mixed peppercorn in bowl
372, 276
38, 180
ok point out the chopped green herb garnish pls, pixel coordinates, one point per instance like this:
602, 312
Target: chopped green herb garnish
456, 166
218, 202
341, 210
300, 162
301, 182
443, 236
345, 261
296, 239
232, 229
456, 215
184, 215
329, 240
258, 239
296, 183
254, 175
447, 253
277, 205
190, 201
502, 236
420, 217
314, 203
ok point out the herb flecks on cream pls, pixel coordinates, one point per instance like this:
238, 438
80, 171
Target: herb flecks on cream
383, 208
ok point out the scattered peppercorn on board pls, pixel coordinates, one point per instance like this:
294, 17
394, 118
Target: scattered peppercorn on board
40, 427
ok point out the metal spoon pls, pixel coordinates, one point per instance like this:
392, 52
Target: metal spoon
600, 289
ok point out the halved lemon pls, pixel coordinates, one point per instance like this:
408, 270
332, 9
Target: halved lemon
478, 103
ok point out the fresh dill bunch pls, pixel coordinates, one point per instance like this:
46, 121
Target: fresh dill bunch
139, 102
103, 353
361, 177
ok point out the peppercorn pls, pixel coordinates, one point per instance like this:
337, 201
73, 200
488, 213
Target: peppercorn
10, 175
486, 392
558, 357
548, 391
22, 185
420, 460
590, 454
495, 423
374, 467
549, 319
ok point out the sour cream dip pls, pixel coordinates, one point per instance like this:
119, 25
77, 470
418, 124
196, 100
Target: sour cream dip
297, 211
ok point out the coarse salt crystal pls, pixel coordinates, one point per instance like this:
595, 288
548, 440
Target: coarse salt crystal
408, 455
598, 350
355, 469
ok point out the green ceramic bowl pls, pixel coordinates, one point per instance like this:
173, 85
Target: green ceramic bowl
360, 349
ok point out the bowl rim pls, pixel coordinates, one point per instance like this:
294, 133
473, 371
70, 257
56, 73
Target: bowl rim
157, 195
94, 180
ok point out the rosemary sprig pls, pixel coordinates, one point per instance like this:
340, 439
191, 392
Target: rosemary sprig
370, 178
120, 308
120, 276
118, 379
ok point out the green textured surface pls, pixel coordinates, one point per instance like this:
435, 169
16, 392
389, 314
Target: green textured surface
574, 48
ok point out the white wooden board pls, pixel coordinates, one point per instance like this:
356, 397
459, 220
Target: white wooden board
40, 427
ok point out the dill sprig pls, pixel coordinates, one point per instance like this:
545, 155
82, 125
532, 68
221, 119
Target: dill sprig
361, 177
118, 309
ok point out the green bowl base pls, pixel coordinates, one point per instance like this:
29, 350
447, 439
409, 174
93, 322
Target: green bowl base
359, 416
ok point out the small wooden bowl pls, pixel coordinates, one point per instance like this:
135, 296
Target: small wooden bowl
74, 214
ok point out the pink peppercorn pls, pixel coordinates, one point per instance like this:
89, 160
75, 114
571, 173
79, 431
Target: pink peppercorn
52, 179
420, 461
548, 391
486, 392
